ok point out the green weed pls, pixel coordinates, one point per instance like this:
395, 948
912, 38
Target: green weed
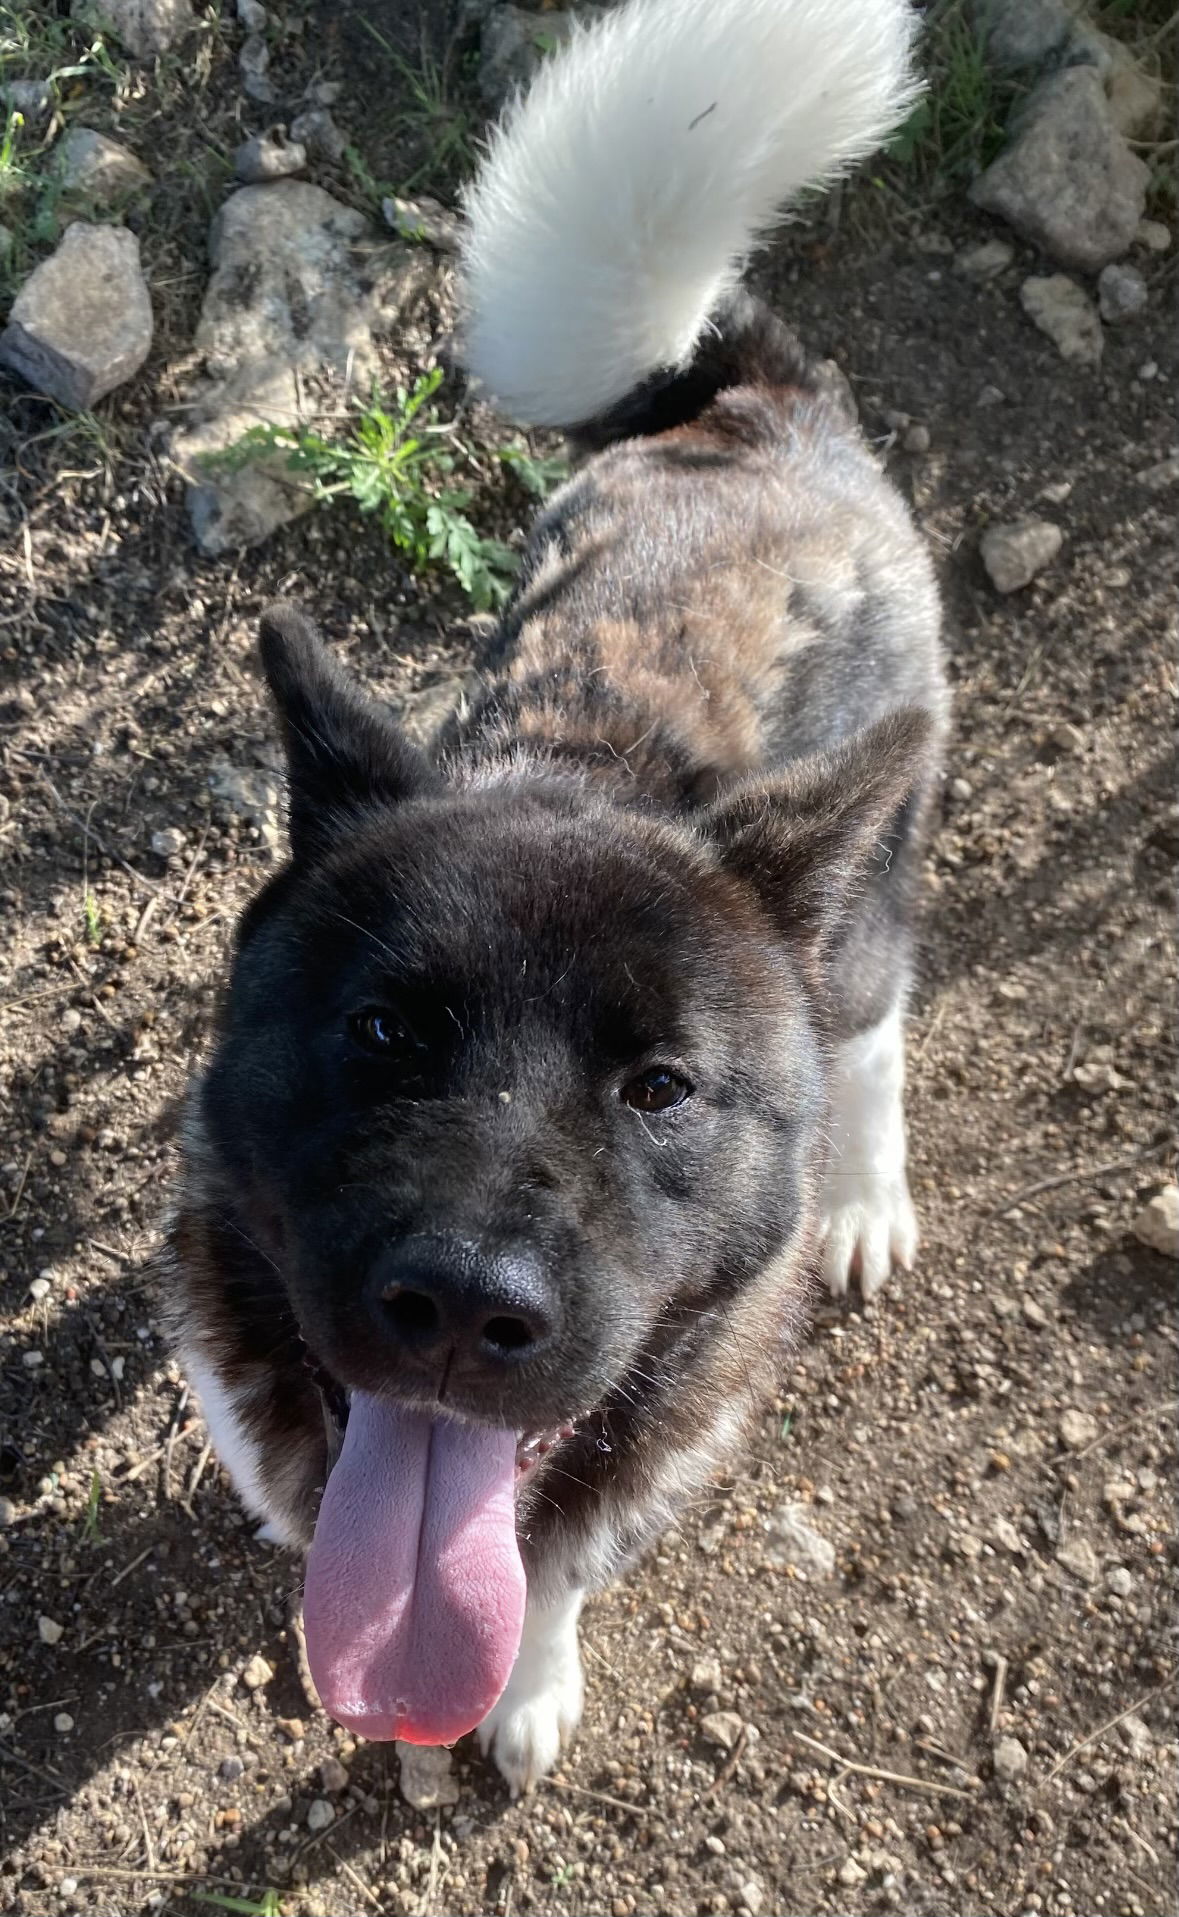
958, 125
538, 473
92, 920
91, 1529
268, 1905
396, 461
431, 118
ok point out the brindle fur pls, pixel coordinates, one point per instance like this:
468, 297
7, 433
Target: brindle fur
727, 587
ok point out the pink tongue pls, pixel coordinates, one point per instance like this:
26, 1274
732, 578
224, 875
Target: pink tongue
414, 1600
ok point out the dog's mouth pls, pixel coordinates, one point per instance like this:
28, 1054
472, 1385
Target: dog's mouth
414, 1596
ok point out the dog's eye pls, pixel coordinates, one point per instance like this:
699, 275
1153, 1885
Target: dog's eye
656, 1091
381, 1031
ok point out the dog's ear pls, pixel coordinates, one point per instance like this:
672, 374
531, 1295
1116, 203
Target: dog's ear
344, 751
804, 838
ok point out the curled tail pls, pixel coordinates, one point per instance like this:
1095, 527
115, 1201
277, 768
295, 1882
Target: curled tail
621, 195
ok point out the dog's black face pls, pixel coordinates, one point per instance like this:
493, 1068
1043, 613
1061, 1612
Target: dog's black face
515, 1083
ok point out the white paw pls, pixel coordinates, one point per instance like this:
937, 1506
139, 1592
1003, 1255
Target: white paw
869, 1226
541, 1707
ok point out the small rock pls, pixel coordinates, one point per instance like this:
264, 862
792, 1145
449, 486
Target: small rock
33, 1359
333, 1776
1160, 476
1013, 554
1121, 293
961, 789
905, 1507
49, 1630
320, 1814
1136, 1735
231, 1768
1153, 235
257, 1673
1078, 1429
292, 1727
916, 439
706, 1677
1067, 179
1035, 1314
315, 129
1134, 96
82, 322
30, 98
63, 1723
427, 1780
253, 62
144, 27
752, 1896
1009, 1759
793, 1539
1157, 1224
269, 156
254, 796
513, 42
39, 1288
168, 843
1119, 1581
1064, 311
97, 168
722, 1728
425, 220
851, 1873
1022, 33
986, 260
251, 15
1005, 1533
1078, 1557
7, 1513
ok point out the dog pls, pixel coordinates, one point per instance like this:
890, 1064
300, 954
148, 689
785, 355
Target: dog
559, 1057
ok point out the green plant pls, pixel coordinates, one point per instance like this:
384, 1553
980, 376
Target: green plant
538, 473
268, 1905
957, 126
92, 919
431, 118
91, 1529
394, 461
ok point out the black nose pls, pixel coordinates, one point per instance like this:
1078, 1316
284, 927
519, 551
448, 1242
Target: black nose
434, 1298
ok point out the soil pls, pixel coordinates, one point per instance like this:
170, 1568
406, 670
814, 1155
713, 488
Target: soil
989, 1448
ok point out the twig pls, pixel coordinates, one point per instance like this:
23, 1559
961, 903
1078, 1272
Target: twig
88, 833
998, 1691
157, 1877
105, 1355
599, 1797
47, 1777
354, 1878
198, 1472
730, 1764
886, 1777
170, 1440
1078, 1172
178, 901
19, 1193
1111, 1725
148, 1846
133, 1566
1119, 1431
1124, 1824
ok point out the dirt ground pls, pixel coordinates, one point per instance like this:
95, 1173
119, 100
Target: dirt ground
989, 1449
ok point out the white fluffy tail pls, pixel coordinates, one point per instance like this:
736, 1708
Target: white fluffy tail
621, 195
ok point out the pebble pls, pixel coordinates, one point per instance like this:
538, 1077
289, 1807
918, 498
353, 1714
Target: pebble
315, 129
753, 1897
49, 1630
916, 439
851, 1873
320, 1814
1005, 1533
792, 1539
63, 1723
1078, 1556
1153, 235
722, 1728
1010, 1760
1119, 1581
253, 61
1121, 293
333, 1776
82, 322
706, 1676
1157, 1224
1014, 553
7, 1513
984, 261
252, 15
427, 1779
425, 220
32, 98
257, 1673
1077, 1429
39, 1288
1064, 311
33, 1360
268, 156
1136, 1735
1035, 1314
231, 1768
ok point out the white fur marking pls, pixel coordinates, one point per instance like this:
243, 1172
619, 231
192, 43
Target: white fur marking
235, 1448
622, 195
541, 1706
868, 1217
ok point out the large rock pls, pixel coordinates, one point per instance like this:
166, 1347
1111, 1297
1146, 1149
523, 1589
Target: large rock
1067, 180
144, 27
1023, 33
1064, 311
82, 322
97, 168
1136, 97
301, 285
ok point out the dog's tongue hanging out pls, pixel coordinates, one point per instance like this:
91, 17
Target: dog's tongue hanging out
414, 1600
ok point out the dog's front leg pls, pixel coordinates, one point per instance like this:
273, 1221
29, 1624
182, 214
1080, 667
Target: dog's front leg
541, 1706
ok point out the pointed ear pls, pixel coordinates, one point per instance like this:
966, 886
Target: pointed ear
803, 838
344, 751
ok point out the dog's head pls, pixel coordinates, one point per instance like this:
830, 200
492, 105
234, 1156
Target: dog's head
514, 1079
